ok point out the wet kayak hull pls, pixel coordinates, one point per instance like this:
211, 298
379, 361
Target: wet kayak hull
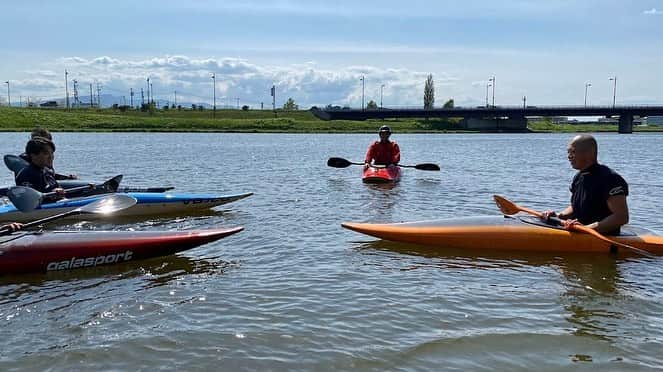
67, 250
505, 233
148, 204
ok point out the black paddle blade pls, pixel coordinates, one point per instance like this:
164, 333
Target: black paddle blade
427, 167
112, 184
338, 163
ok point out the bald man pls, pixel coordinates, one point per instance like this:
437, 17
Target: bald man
598, 194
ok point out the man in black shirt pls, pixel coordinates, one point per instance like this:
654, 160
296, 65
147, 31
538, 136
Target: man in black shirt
598, 194
38, 175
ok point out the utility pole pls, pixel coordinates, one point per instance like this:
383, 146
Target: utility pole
142, 97
66, 88
131, 97
488, 85
148, 90
493, 81
614, 91
214, 94
175, 98
237, 102
98, 95
76, 101
274, 98
152, 92
524, 102
91, 97
9, 98
261, 106
587, 85
363, 81
381, 89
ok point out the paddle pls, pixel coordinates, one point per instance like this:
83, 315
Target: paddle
508, 207
15, 163
26, 199
343, 163
105, 205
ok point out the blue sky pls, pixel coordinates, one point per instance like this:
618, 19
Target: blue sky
315, 51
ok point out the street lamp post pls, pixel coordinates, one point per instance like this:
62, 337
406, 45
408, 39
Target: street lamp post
66, 88
148, 90
9, 98
492, 80
587, 85
214, 83
381, 90
488, 85
363, 83
614, 91
237, 102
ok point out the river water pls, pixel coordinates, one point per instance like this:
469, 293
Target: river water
295, 291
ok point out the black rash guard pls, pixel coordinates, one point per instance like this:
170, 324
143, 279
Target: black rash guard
590, 191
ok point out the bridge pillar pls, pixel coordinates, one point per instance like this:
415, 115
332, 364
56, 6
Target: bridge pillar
626, 124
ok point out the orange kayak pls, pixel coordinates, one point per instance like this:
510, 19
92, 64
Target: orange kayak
506, 233
381, 175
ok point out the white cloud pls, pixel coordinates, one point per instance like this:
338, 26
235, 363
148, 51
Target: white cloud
307, 83
652, 11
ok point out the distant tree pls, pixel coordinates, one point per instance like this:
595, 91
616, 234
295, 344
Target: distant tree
371, 105
245, 108
449, 104
194, 107
290, 105
200, 108
172, 106
115, 106
429, 93
165, 108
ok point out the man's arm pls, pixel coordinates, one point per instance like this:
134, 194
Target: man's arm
620, 216
396, 156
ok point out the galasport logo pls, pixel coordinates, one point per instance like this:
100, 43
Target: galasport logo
76, 262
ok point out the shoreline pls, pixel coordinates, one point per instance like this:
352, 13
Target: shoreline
253, 121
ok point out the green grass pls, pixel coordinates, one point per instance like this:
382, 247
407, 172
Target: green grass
81, 120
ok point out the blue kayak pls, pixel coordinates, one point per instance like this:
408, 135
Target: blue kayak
148, 204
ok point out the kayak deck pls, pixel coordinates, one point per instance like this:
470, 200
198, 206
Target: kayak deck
505, 233
381, 175
54, 251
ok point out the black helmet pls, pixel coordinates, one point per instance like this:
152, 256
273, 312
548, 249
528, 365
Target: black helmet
384, 128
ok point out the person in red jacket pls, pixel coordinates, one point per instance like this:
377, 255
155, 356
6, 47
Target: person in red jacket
384, 151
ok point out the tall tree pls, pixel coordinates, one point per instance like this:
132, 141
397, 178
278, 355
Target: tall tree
429, 93
371, 105
449, 104
290, 105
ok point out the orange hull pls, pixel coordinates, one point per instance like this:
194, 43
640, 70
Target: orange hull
381, 175
505, 233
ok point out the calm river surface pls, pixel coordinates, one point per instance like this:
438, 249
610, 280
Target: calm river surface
295, 291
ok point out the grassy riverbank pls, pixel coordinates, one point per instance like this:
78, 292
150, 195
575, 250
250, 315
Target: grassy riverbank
82, 120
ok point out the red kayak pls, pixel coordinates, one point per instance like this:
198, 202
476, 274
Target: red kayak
28, 252
381, 175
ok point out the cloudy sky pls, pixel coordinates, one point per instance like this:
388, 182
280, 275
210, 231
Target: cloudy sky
315, 51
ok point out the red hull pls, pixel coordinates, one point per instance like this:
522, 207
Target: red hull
55, 251
381, 175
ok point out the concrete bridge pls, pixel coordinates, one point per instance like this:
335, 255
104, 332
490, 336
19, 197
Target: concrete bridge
502, 118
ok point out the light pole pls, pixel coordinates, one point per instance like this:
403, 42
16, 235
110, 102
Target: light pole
66, 88
237, 102
9, 98
148, 90
488, 85
381, 90
492, 80
587, 85
363, 83
614, 91
214, 83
